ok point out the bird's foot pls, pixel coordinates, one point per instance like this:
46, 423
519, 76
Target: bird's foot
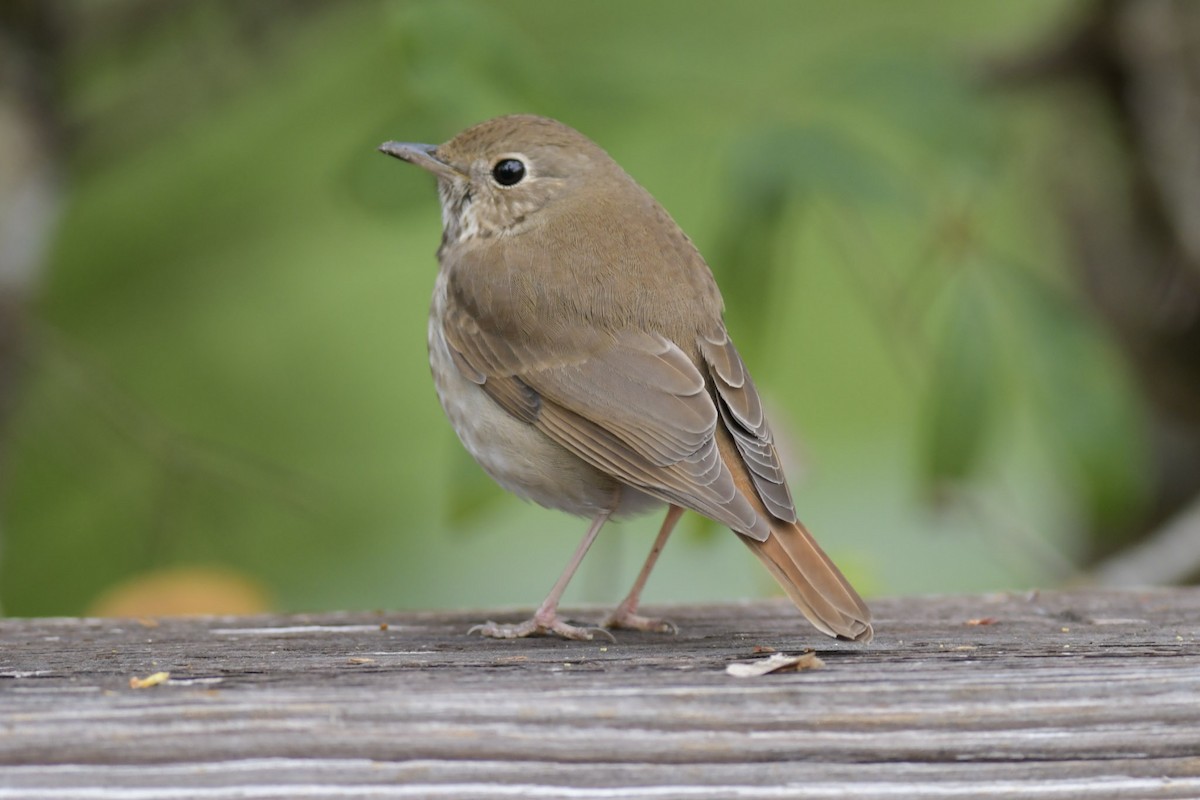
624, 617
540, 625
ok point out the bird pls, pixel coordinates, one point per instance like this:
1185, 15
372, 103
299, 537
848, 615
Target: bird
579, 350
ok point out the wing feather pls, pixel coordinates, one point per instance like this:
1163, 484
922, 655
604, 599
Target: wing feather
741, 410
632, 404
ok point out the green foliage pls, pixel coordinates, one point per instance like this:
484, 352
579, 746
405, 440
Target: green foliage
768, 173
1083, 399
963, 388
231, 360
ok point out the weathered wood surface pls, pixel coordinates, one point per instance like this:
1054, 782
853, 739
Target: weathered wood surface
1063, 695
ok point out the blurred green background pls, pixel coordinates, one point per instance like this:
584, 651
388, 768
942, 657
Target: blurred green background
222, 351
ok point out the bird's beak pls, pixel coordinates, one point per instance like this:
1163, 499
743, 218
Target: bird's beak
423, 155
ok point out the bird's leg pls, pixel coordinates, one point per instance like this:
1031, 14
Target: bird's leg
625, 615
546, 620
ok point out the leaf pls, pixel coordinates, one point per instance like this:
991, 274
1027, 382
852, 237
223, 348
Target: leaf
960, 403
771, 172
150, 681
813, 160
1084, 399
941, 110
778, 662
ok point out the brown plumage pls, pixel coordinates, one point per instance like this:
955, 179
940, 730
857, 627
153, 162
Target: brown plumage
578, 348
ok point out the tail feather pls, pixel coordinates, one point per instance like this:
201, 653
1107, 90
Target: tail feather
813, 582
797, 562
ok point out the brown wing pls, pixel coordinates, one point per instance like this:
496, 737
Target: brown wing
742, 412
632, 404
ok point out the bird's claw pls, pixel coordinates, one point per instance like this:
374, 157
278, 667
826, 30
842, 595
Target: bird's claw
622, 618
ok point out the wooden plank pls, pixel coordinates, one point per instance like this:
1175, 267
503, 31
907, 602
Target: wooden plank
1064, 695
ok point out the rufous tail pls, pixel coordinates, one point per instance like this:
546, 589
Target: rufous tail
813, 582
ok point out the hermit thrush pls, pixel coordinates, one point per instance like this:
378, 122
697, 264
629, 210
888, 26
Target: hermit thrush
578, 348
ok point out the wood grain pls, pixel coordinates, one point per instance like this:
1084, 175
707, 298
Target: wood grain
1063, 695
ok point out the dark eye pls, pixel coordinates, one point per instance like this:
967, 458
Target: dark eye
508, 172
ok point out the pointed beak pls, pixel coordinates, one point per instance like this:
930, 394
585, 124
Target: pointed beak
423, 155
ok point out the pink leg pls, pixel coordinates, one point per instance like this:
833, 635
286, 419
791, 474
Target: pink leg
546, 620
625, 615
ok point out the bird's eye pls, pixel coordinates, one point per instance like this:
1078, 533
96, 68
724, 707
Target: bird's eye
508, 172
